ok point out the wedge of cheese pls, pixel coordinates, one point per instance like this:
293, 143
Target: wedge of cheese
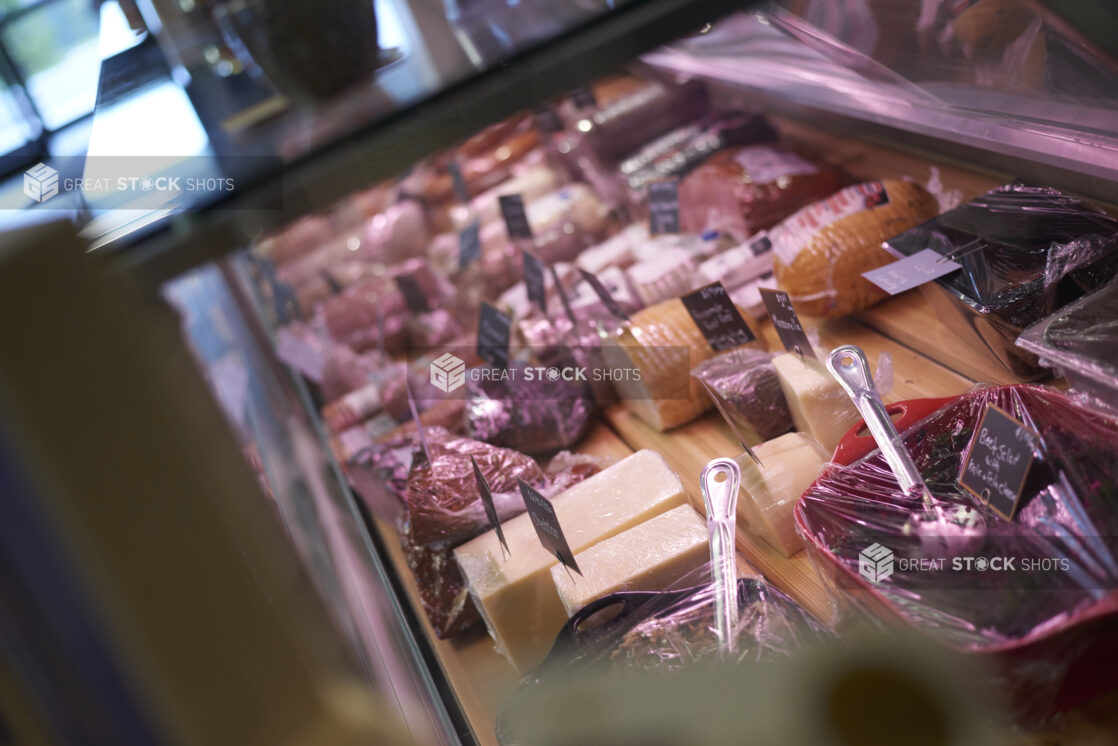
770, 491
648, 557
819, 405
515, 593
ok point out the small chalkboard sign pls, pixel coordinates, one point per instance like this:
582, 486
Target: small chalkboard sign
912, 271
542, 513
584, 98
547, 120
493, 330
786, 322
604, 295
535, 281
717, 317
461, 193
487, 503
663, 207
516, 219
997, 461
414, 297
469, 245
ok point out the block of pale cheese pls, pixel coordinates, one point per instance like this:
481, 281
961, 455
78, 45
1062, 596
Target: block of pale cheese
514, 592
648, 557
769, 491
819, 405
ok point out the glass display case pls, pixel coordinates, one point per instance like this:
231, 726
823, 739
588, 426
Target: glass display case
347, 207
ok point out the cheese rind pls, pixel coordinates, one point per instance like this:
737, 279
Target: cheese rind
819, 405
648, 557
514, 592
770, 491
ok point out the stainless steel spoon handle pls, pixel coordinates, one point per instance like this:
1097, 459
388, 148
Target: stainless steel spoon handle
719, 484
849, 367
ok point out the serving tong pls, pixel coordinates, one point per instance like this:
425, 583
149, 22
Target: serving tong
719, 483
949, 530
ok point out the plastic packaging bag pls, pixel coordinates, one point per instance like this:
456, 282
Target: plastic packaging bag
537, 416
746, 382
1033, 594
1025, 251
1081, 342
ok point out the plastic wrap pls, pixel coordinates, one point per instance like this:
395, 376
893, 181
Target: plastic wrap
1081, 342
664, 344
743, 190
442, 496
537, 417
669, 275
1039, 622
628, 122
822, 250
1025, 251
746, 383
770, 489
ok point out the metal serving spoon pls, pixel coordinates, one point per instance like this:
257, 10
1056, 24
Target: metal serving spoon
719, 484
943, 529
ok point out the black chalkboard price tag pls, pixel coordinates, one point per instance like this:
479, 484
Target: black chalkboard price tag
542, 513
584, 98
461, 193
717, 317
547, 120
487, 503
469, 245
414, 297
516, 220
786, 322
493, 330
604, 295
663, 207
997, 461
535, 281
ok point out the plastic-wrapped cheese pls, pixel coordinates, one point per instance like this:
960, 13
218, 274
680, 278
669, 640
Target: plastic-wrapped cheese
819, 405
648, 557
514, 592
670, 274
769, 491
662, 345
617, 251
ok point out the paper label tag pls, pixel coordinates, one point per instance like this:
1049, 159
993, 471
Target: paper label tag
487, 503
516, 220
461, 193
563, 296
493, 331
469, 245
604, 295
910, 272
791, 235
535, 281
997, 461
786, 322
717, 317
765, 164
547, 120
663, 207
542, 513
414, 297
584, 98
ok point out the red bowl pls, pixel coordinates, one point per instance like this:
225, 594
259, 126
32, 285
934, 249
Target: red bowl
1052, 668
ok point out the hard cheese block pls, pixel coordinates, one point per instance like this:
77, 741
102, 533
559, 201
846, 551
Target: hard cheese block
648, 557
819, 405
769, 492
514, 592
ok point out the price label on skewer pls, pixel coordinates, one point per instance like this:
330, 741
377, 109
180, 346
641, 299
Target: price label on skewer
546, 522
